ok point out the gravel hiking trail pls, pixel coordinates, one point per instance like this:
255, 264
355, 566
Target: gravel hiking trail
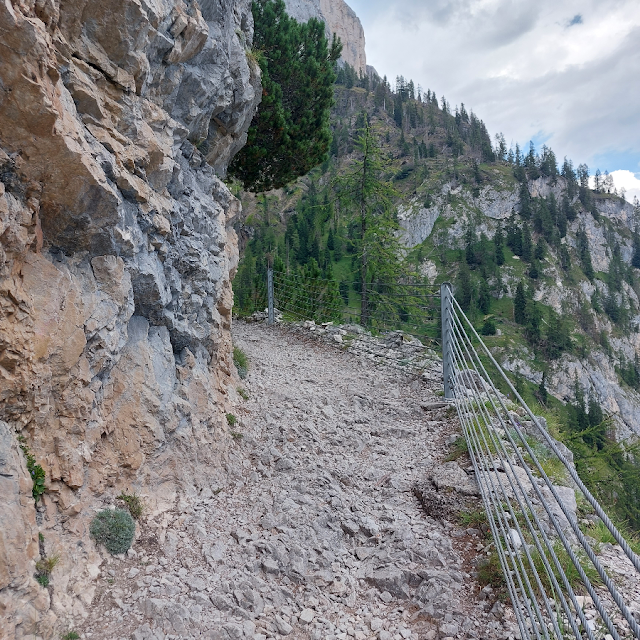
318, 533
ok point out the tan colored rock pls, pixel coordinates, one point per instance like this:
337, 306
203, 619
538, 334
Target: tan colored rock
116, 259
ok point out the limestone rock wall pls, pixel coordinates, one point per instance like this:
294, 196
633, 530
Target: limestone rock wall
493, 205
116, 257
339, 18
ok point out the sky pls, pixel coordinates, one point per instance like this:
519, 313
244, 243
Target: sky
565, 73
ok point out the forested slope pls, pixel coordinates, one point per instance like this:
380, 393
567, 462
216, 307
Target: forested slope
544, 260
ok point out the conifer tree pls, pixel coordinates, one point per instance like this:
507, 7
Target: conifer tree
520, 305
463, 288
484, 297
582, 247
363, 190
527, 243
498, 240
289, 135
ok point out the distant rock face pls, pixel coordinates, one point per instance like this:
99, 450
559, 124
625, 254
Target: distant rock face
116, 258
340, 19
492, 206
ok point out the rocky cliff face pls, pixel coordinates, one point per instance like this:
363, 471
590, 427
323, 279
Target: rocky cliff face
340, 19
493, 205
116, 255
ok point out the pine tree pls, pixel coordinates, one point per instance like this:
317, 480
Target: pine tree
484, 297
289, 135
331, 241
363, 190
463, 288
527, 244
534, 321
582, 247
525, 201
542, 389
635, 259
520, 305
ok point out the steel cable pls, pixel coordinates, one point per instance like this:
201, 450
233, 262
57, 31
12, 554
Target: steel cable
581, 538
539, 547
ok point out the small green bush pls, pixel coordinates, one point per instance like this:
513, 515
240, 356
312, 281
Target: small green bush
43, 580
231, 419
72, 635
488, 328
46, 565
35, 470
243, 393
236, 436
241, 362
114, 529
134, 503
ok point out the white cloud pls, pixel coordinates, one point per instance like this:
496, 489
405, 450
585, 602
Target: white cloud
564, 72
630, 181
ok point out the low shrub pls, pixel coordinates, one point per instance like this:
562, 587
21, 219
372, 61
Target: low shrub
231, 419
114, 529
35, 470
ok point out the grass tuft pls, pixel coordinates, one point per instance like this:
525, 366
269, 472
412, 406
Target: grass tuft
243, 393
135, 504
241, 362
458, 449
72, 635
231, 419
476, 519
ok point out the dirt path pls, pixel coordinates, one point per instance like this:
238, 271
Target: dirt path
319, 534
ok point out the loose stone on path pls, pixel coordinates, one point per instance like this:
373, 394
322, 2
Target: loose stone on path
318, 533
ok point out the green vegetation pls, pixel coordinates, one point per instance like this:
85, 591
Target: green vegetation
490, 574
44, 567
72, 635
114, 528
601, 534
134, 503
243, 393
474, 519
35, 470
458, 449
241, 362
290, 133
236, 436
231, 419
332, 236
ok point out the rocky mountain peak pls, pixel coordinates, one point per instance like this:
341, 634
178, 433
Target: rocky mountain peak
339, 18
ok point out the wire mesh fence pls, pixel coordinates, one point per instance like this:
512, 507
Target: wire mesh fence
558, 586
411, 308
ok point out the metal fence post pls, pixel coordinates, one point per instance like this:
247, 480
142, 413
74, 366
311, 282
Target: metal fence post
271, 318
445, 315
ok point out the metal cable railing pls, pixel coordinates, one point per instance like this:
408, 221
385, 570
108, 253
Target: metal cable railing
545, 557
557, 584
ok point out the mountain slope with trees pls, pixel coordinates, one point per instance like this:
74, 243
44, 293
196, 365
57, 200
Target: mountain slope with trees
543, 259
